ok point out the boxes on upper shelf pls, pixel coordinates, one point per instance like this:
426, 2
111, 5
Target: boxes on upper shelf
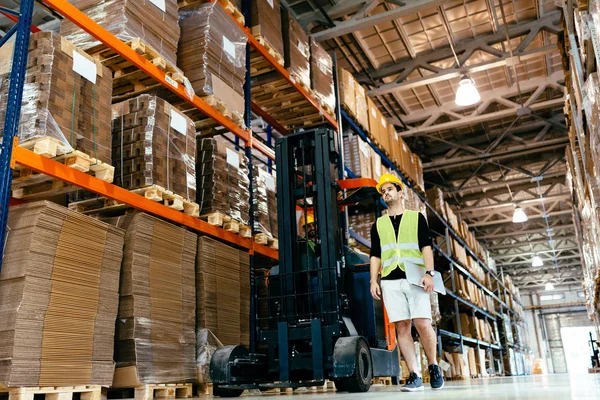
154, 23
265, 202
348, 91
66, 99
358, 156
212, 55
266, 26
321, 72
154, 145
297, 50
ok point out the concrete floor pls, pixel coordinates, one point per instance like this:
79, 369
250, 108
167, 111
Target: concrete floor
542, 387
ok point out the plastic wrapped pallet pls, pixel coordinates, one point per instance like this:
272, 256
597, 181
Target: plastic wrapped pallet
266, 24
321, 76
59, 296
66, 98
153, 22
297, 50
212, 55
361, 223
154, 144
358, 156
265, 202
222, 180
206, 345
223, 291
156, 339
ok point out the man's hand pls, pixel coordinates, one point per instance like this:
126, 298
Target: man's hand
426, 281
375, 291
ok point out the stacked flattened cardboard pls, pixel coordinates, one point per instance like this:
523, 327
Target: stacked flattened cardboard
321, 76
357, 155
223, 291
266, 24
297, 50
59, 294
154, 144
66, 97
212, 55
155, 340
222, 180
265, 202
153, 22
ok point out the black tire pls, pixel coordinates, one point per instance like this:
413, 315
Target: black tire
225, 392
339, 385
360, 381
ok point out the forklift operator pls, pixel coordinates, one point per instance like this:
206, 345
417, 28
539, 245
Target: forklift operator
400, 237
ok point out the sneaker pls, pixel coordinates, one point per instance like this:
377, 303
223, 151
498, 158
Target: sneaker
414, 383
436, 379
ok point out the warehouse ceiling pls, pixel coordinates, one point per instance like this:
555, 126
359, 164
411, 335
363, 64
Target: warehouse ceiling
507, 150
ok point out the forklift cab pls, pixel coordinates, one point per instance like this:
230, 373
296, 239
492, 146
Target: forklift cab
311, 323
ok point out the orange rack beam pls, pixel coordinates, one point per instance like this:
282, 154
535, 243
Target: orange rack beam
60, 171
83, 21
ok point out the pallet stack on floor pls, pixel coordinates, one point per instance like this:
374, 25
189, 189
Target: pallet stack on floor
580, 51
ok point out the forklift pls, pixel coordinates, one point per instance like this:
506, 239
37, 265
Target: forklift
319, 321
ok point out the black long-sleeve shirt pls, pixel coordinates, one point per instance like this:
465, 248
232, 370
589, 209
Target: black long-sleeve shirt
424, 240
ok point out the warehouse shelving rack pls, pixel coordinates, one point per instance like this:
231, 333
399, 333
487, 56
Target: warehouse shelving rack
11, 154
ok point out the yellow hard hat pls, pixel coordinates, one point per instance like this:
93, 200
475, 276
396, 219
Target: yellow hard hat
310, 219
388, 178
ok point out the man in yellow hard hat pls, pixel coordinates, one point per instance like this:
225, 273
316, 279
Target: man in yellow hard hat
402, 236
307, 222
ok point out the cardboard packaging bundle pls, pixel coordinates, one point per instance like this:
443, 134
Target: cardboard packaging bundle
155, 338
154, 144
155, 23
223, 291
266, 24
222, 180
265, 202
357, 156
296, 49
212, 55
362, 223
59, 295
66, 97
348, 91
374, 120
321, 75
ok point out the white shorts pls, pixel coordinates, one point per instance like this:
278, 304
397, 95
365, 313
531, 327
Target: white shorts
404, 301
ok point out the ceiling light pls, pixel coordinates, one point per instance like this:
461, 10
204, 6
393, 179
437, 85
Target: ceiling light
537, 261
549, 286
519, 216
466, 94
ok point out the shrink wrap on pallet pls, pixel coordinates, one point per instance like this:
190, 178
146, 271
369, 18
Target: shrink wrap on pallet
154, 144
222, 180
357, 155
266, 24
59, 296
212, 55
265, 202
296, 49
223, 291
155, 337
66, 97
321, 72
153, 22
206, 345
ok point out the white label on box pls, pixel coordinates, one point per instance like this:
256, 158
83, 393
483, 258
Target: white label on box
302, 48
84, 67
171, 81
364, 148
178, 122
373, 112
160, 4
233, 158
229, 47
271, 3
384, 122
270, 182
323, 67
396, 136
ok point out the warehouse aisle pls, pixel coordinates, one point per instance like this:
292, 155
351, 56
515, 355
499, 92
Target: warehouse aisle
547, 387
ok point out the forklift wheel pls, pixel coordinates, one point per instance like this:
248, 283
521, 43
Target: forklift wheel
360, 380
224, 392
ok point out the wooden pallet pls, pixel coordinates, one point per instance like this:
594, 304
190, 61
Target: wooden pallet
266, 240
191, 4
53, 392
203, 123
30, 185
327, 386
298, 81
274, 53
103, 206
154, 391
227, 223
383, 380
128, 79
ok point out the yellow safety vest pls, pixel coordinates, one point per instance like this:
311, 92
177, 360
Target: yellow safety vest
395, 251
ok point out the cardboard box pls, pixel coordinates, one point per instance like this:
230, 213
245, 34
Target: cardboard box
384, 135
348, 91
362, 106
321, 75
374, 120
266, 24
297, 51
357, 155
375, 165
